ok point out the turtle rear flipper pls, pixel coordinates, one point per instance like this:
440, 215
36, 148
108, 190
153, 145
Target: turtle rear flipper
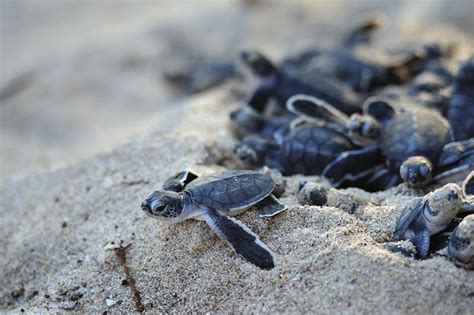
259, 97
179, 181
379, 107
352, 165
245, 243
270, 206
455, 151
316, 108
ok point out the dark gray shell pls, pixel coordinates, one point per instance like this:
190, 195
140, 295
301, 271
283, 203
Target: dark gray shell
231, 190
307, 150
412, 132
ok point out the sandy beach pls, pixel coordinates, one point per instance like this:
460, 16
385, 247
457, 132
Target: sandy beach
71, 189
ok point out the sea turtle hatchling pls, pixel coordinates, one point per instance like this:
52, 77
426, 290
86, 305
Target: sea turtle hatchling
305, 149
270, 82
431, 214
214, 199
410, 138
461, 243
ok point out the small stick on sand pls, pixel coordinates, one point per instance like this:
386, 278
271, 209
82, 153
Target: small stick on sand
120, 252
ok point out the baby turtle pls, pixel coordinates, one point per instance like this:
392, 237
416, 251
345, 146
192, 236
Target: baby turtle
270, 82
410, 138
431, 214
461, 106
461, 243
214, 199
304, 149
246, 121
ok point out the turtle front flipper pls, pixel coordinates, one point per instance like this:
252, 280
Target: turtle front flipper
245, 243
362, 33
410, 225
259, 97
468, 185
467, 206
421, 238
269, 207
316, 108
383, 179
456, 160
352, 165
179, 181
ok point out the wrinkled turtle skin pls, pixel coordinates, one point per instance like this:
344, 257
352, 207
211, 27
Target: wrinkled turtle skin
304, 150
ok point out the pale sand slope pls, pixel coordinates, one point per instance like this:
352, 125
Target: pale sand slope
55, 225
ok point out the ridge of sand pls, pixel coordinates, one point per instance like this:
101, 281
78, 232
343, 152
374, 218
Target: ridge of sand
55, 225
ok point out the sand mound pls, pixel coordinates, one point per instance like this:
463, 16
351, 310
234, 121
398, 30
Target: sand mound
55, 227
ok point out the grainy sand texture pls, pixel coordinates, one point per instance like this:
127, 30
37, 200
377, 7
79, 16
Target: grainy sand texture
56, 225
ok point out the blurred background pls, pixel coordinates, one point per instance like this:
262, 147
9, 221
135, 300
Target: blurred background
78, 78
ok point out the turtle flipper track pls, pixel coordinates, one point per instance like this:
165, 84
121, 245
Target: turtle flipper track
246, 243
316, 108
352, 165
269, 207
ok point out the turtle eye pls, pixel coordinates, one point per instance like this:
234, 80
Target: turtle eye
159, 209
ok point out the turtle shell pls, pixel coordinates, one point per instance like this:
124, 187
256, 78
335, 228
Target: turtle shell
412, 132
231, 190
307, 150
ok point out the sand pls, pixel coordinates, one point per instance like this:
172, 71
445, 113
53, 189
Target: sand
56, 225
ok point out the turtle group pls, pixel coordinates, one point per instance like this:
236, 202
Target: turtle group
405, 119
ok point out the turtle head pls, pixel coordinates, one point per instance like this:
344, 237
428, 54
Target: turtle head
245, 121
166, 206
416, 171
461, 243
253, 150
311, 193
258, 65
442, 206
363, 129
